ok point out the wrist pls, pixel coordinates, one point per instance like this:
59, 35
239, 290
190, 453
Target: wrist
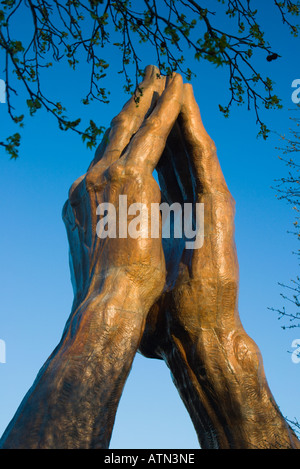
97, 349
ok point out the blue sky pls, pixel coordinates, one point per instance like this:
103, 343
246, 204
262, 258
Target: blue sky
36, 292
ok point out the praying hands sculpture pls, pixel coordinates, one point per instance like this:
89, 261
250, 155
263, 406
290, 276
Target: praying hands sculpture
152, 294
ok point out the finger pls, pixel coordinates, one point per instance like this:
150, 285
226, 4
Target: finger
149, 142
217, 257
101, 149
201, 148
131, 117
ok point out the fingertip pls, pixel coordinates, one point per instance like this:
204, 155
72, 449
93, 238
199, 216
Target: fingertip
151, 72
174, 85
147, 71
188, 89
188, 94
178, 78
158, 124
163, 79
174, 77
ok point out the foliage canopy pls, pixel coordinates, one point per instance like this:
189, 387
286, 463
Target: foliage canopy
78, 30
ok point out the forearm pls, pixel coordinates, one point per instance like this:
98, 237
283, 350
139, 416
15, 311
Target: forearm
73, 401
221, 380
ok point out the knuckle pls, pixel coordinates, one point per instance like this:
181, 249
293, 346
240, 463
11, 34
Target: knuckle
75, 191
228, 197
120, 120
90, 180
153, 124
135, 175
208, 145
212, 145
94, 178
75, 185
223, 188
232, 199
139, 177
115, 172
133, 171
246, 351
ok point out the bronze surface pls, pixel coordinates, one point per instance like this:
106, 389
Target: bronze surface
152, 295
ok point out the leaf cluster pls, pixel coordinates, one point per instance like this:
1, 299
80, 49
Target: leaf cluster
79, 30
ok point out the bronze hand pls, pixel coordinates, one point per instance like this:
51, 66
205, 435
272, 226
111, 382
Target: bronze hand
73, 401
195, 325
